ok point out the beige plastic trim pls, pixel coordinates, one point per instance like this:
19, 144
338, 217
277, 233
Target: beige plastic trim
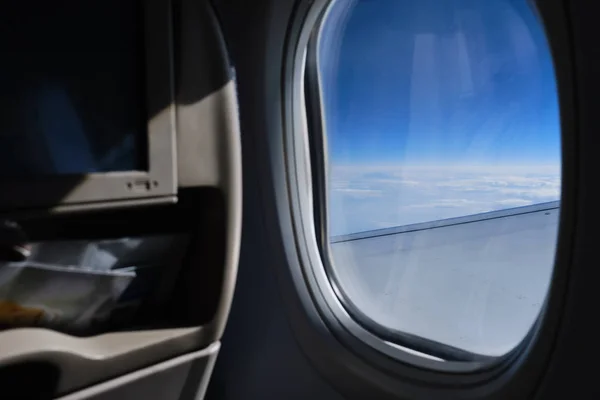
231, 184
162, 381
84, 361
209, 147
203, 77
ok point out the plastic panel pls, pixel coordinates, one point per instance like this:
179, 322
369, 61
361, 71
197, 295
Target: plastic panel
163, 381
203, 125
83, 361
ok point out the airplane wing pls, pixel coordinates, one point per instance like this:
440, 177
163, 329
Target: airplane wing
475, 283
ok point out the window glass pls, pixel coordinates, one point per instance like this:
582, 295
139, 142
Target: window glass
443, 141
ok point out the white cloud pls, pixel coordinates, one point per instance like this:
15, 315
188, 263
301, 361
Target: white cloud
359, 193
443, 203
514, 202
371, 197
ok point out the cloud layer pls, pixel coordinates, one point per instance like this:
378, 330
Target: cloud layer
370, 197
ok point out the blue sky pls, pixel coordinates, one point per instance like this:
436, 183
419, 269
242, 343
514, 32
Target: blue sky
407, 84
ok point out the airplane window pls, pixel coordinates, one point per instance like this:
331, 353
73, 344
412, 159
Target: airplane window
444, 160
